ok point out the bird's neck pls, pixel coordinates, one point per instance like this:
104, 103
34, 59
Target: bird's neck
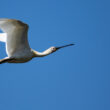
41, 54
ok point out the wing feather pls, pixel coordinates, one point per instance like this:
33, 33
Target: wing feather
16, 41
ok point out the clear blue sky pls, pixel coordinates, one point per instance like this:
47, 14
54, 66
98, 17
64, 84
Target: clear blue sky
74, 78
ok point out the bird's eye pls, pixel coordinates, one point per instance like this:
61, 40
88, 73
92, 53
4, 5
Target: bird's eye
53, 48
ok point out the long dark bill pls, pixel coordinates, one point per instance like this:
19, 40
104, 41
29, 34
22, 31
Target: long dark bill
64, 46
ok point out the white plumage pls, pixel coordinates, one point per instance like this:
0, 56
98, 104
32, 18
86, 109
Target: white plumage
17, 46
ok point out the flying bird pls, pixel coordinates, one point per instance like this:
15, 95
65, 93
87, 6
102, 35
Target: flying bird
16, 41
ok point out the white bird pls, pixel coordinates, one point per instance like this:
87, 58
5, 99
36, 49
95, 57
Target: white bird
17, 46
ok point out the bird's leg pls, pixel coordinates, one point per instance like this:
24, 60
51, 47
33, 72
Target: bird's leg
6, 60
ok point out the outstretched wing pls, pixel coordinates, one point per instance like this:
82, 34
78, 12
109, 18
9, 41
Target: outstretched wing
16, 40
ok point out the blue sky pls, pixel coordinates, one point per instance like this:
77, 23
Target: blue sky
74, 78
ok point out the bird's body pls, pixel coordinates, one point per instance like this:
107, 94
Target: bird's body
17, 46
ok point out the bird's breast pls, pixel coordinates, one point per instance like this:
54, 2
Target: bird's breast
21, 56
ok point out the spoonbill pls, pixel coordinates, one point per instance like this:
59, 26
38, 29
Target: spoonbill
17, 46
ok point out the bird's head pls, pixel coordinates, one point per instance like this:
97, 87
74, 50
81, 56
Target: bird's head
53, 49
